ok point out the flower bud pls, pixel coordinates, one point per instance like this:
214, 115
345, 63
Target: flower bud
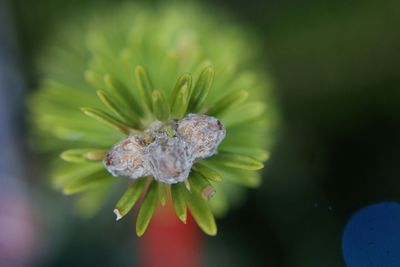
126, 158
203, 133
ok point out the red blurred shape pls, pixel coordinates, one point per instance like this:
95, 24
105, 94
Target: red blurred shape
170, 243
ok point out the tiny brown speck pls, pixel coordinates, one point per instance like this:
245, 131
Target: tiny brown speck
108, 160
220, 127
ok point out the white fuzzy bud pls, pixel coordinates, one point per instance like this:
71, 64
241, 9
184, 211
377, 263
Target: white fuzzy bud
204, 133
169, 160
126, 158
166, 151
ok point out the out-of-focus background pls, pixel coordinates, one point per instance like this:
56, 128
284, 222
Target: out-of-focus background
336, 70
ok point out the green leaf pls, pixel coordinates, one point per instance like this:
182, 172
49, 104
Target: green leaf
255, 152
178, 200
108, 119
201, 212
129, 198
181, 103
201, 185
243, 114
83, 155
145, 86
66, 172
184, 80
162, 193
227, 102
120, 92
117, 109
181, 100
160, 105
147, 209
201, 89
242, 177
97, 154
207, 172
252, 180
103, 136
237, 161
86, 182
74, 155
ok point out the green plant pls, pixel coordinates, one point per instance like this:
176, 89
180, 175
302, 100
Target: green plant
145, 65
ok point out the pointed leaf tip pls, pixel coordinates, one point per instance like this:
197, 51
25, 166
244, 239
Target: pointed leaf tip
180, 96
180, 103
129, 198
122, 96
107, 119
187, 185
207, 172
147, 209
201, 89
178, 200
86, 182
117, 214
108, 102
144, 85
162, 193
160, 105
201, 213
80, 155
237, 161
227, 102
95, 154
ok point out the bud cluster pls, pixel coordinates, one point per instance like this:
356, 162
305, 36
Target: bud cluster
166, 150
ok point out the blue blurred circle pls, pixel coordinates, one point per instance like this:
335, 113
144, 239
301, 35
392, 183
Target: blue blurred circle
372, 237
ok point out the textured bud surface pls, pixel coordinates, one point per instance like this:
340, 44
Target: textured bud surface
169, 160
166, 151
204, 133
126, 158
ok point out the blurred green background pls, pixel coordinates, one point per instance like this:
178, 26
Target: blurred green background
335, 65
